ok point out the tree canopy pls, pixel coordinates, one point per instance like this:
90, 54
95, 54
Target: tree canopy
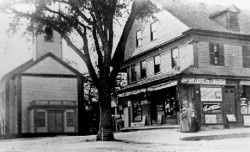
88, 27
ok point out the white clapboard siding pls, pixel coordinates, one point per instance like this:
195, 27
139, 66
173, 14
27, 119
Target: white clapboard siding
45, 88
49, 66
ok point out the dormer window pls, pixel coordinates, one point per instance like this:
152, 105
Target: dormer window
233, 22
48, 34
227, 18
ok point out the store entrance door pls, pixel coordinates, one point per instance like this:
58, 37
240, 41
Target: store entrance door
55, 121
229, 102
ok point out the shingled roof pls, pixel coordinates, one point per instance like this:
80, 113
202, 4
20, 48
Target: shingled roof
196, 15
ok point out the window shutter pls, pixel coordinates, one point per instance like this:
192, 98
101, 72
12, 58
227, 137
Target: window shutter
221, 54
211, 53
245, 55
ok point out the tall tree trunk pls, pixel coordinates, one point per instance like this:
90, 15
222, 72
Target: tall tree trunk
105, 132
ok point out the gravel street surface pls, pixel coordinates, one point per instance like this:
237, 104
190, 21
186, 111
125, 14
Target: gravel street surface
167, 140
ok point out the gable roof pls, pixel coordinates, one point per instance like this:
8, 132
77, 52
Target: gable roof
27, 65
197, 15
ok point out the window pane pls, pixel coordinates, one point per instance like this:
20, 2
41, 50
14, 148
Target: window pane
40, 119
157, 60
153, 27
70, 119
143, 64
138, 35
133, 73
175, 57
48, 34
139, 42
137, 111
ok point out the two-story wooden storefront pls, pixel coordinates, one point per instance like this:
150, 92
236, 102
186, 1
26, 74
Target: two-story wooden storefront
191, 55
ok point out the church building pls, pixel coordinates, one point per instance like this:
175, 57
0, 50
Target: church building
41, 96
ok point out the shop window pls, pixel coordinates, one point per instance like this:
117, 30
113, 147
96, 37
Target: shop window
157, 64
153, 27
48, 34
40, 121
143, 69
138, 39
137, 111
70, 119
246, 56
216, 54
133, 73
175, 58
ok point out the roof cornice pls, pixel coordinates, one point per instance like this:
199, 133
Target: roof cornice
217, 34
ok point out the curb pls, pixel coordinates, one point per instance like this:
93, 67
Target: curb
150, 128
216, 137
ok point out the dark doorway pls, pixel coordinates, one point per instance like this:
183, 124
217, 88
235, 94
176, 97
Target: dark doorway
55, 121
229, 101
164, 106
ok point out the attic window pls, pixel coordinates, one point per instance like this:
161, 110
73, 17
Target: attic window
233, 22
48, 34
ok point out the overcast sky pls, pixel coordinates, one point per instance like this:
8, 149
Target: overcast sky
15, 50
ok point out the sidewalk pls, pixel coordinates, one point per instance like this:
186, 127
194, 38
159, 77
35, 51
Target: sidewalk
203, 134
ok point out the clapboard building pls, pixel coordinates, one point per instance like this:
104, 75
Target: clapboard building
42, 95
191, 55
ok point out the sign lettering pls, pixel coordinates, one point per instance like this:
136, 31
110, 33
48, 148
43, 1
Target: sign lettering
203, 81
211, 107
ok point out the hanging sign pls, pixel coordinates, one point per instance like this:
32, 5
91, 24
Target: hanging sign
203, 81
211, 107
211, 94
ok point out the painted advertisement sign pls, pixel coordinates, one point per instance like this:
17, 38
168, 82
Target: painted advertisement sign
203, 81
211, 94
211, 107
210, 119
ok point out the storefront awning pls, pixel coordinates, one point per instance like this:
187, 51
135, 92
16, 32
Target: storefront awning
134, 92
163, 86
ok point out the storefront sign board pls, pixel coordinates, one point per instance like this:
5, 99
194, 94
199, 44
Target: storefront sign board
211, 107
210, 119
203, 81
245, 83
246, 119
162, 86
211, 94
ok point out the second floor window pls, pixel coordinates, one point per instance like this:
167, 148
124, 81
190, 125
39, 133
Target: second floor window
157, 64
246, 56
153, 31
175, 58
133, 73
48, 34
216, 54
143, 69
138, 39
